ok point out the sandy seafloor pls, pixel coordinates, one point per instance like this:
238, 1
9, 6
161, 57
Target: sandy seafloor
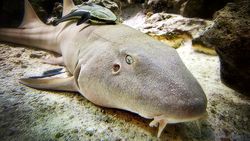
30, 114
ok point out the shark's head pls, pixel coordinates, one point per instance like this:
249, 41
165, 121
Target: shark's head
147, 78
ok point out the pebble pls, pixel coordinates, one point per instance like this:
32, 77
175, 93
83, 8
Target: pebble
24, 66
58, 135
2, 52
213, 111
75, 131
12, 131
90, 131
13, 90
225, 139
245, 119
36, 55
237, 117
22, 89
107, 119
17, 62
72, 116
18, 55
3, 64
118, 139
3, 77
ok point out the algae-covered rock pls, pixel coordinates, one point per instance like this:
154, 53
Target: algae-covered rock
171, 29
202, 8
113, 5
170, 6
187, 8
230, 36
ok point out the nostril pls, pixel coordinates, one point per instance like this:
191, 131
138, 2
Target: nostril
116, 68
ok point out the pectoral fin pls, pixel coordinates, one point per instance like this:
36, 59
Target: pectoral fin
51, 83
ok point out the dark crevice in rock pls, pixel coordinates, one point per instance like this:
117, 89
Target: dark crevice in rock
230, 36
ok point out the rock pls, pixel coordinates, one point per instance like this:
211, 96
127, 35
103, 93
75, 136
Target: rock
187, 8
12, 131
75, 130
171, 29
24, 66
90, 131
169, 6
202, 8
36, 55
18, 55
225, 139
58, 135
71, 117
56, 13
230, 36
51, 20
42, 13
57, 10
190, 8
106, 3
110, 4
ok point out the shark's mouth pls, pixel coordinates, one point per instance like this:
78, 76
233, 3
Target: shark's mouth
161, 121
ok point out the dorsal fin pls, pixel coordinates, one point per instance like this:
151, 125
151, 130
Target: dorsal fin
30, 18
68, 5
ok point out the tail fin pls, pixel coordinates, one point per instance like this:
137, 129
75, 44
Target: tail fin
30, 19
32, 32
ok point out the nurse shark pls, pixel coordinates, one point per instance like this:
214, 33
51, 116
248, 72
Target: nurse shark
113, 66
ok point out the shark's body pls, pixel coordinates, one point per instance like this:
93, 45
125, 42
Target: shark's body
115, 66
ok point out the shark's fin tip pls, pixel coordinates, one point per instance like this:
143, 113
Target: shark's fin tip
51, 83
30, 17
68, 5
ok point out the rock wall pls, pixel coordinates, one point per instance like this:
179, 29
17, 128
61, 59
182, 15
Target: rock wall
202, 8
230, 36
13, 9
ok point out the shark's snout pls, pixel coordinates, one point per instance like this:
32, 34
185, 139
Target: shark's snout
187, 112
176, 105
188, 105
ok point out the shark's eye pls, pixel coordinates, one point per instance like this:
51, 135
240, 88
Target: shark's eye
129, 59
